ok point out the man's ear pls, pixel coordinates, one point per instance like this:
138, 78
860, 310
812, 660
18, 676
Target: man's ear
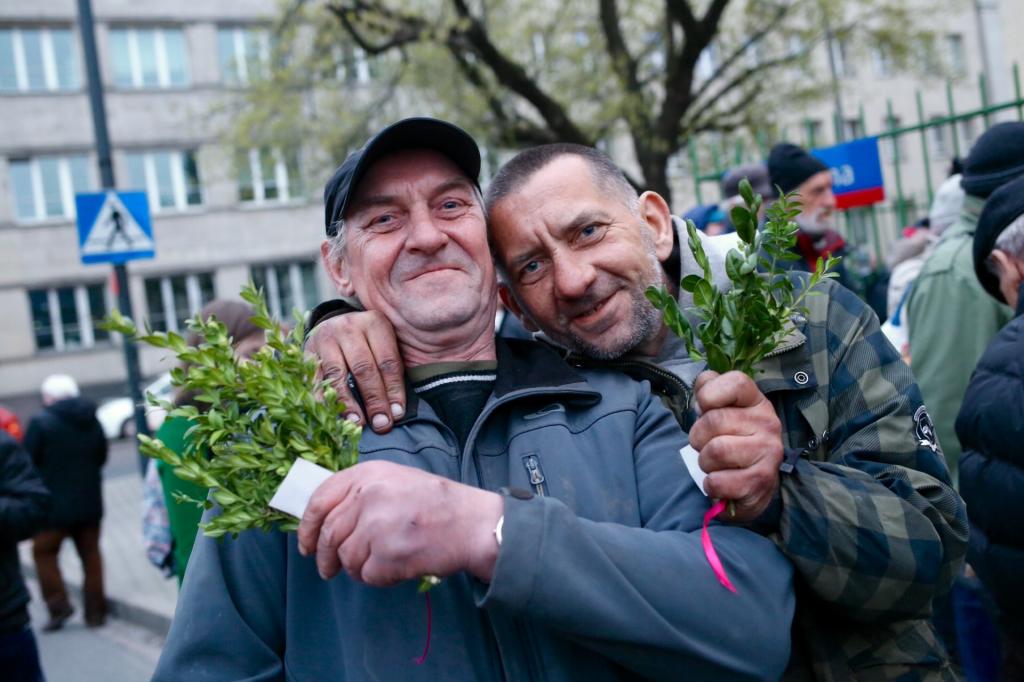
655, 212
509, 301
336, 270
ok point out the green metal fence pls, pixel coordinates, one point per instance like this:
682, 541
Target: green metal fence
882, 223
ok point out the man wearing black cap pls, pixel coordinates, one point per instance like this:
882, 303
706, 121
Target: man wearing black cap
551, 500
951, 318
990, 426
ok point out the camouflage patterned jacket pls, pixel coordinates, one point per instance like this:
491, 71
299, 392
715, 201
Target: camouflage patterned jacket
865, 510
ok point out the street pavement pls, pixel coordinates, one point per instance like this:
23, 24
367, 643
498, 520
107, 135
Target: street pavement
141, 600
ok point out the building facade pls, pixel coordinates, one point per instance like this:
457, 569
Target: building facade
220, 216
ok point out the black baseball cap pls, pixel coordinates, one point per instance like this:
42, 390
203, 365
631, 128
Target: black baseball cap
409, 133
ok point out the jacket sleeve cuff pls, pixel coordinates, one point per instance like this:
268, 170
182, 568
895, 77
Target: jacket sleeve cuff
326, 311
512, 583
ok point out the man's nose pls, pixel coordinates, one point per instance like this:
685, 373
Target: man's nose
573, 276
829, 200
426, 234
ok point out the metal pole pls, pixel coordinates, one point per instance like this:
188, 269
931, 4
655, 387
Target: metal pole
692, 144
1016, 91
99, 122
836, 94
983, 93
900, 207
924, 148
952, 114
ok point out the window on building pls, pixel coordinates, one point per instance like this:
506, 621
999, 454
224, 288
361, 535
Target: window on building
882, 61
956, 55
845, 66
169, 177
45, 186
853, 129
37, 59
893, 144
287, 286
171, 300
812, 127
244, 54
266, 175
149, 58
66, 318
968, 133
940, 135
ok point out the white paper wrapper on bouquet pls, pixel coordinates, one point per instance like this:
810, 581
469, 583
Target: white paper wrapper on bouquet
293, 494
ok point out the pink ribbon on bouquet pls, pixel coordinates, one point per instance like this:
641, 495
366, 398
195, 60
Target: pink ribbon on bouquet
709, 548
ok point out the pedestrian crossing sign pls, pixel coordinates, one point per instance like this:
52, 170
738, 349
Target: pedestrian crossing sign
114, 227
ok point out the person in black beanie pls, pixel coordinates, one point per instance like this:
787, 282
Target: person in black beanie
990, 425
793, 169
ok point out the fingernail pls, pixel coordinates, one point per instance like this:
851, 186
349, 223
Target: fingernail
379, 421
397, 410
352, 417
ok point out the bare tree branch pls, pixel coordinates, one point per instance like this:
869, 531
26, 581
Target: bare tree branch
680, 12
623, 64
404, 29
714, 14
514, 77
780, 13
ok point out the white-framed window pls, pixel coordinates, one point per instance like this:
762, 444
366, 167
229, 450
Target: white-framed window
287, 286
882, 61
35, 59
244, 54
956, 54
170, 178
145, 58
940, 137
66, 318
268, 174
172, 299
45, 186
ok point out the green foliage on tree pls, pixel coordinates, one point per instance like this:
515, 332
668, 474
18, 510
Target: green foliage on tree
653, 74
262, 414
736, 328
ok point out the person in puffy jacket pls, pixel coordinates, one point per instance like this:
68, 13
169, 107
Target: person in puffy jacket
24, 507
68, 447
991, 426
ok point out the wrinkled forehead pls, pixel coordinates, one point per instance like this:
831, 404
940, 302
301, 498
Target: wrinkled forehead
404, 175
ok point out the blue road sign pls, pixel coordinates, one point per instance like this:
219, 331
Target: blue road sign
856, 172
114, 227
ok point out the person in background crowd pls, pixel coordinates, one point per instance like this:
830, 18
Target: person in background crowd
908, 255
709, 219
24, 508
991, 426
951, 319
757, 174
69, 449
9, 423
793, 169
184, 518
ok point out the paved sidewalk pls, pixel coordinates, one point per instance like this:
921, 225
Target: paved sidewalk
136, 590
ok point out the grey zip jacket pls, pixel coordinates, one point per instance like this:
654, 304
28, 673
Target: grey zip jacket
600, 576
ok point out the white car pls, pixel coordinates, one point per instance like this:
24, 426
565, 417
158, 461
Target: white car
117, 415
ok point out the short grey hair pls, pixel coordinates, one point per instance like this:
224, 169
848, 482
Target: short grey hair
336, 242
1009, 241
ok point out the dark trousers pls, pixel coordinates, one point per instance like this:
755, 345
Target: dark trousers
46, 545
19, 657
